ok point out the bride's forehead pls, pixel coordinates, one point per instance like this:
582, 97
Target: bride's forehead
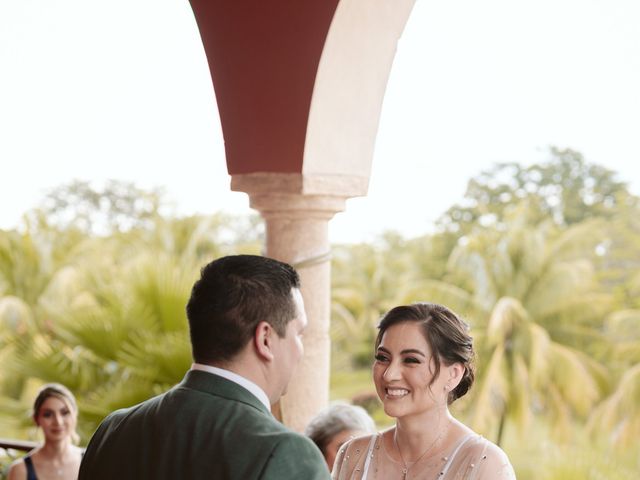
405, 334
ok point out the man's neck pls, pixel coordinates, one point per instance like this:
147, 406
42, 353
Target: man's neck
236, 375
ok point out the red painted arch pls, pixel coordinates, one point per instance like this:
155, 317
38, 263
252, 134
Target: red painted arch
263, 56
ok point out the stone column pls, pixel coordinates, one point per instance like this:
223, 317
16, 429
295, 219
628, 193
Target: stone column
296, 220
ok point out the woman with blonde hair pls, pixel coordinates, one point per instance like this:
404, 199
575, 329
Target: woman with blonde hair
54, 411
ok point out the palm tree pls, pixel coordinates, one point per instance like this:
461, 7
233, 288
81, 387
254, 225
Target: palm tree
33, 264
619, 413
367, 280
370, 279
536, 290
121, 339
111, 324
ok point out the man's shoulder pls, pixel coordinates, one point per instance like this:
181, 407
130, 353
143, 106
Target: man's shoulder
120, 414
289, 438
294, 456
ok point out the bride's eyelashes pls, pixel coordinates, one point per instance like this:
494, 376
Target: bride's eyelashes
380, 358
410, 360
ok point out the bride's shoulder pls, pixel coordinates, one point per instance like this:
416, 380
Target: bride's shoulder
487, 456
351, 454
358, 443
477, 443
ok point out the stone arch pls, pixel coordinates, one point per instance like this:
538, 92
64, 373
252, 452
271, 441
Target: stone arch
299, 87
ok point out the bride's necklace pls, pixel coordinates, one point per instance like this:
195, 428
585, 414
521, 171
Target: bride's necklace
405, 469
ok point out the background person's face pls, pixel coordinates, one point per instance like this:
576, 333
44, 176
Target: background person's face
56, 419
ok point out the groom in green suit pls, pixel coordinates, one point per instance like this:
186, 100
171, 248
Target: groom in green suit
246, 319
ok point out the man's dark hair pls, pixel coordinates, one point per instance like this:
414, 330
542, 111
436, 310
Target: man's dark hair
233, 295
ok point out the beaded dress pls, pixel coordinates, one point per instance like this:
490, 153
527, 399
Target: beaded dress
471, 458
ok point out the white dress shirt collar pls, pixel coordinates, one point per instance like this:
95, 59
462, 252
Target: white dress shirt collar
240, 380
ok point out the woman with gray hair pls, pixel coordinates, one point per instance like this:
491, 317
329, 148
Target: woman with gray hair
337, 424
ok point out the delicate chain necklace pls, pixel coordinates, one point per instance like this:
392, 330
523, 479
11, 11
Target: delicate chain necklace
405, 470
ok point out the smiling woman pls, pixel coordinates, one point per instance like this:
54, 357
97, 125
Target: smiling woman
423, 363
56, 412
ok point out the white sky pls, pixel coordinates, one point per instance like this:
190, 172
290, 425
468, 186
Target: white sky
121, 89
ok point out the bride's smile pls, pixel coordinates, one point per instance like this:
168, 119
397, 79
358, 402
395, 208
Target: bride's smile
393, 393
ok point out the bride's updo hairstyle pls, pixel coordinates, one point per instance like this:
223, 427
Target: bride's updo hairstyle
446, 334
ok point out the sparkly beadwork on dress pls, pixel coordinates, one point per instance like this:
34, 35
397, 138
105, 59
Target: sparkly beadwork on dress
469, 459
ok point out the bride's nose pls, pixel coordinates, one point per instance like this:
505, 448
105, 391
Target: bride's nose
392, 372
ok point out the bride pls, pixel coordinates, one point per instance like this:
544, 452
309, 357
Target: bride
423, 362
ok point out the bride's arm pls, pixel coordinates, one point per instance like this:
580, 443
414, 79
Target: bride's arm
338, 464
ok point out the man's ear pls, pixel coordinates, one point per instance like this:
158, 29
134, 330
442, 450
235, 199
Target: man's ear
263, 341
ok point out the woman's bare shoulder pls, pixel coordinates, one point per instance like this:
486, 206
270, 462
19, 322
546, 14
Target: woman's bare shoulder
17, 470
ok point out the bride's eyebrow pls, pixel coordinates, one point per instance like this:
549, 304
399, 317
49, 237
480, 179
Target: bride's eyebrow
413, 350
407, 351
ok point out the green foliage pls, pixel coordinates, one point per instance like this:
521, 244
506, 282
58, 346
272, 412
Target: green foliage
108, 318
542, 261
618, 416
618, 262
585, 462
580, 457
539, 305
565, 189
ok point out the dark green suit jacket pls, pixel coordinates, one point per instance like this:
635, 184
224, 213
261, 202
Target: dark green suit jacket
206, 427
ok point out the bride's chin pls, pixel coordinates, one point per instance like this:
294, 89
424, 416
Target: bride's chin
392, 410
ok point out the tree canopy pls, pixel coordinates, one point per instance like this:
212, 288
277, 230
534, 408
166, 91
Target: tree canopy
566, 189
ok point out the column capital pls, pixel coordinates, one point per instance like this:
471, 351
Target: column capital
296, 195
